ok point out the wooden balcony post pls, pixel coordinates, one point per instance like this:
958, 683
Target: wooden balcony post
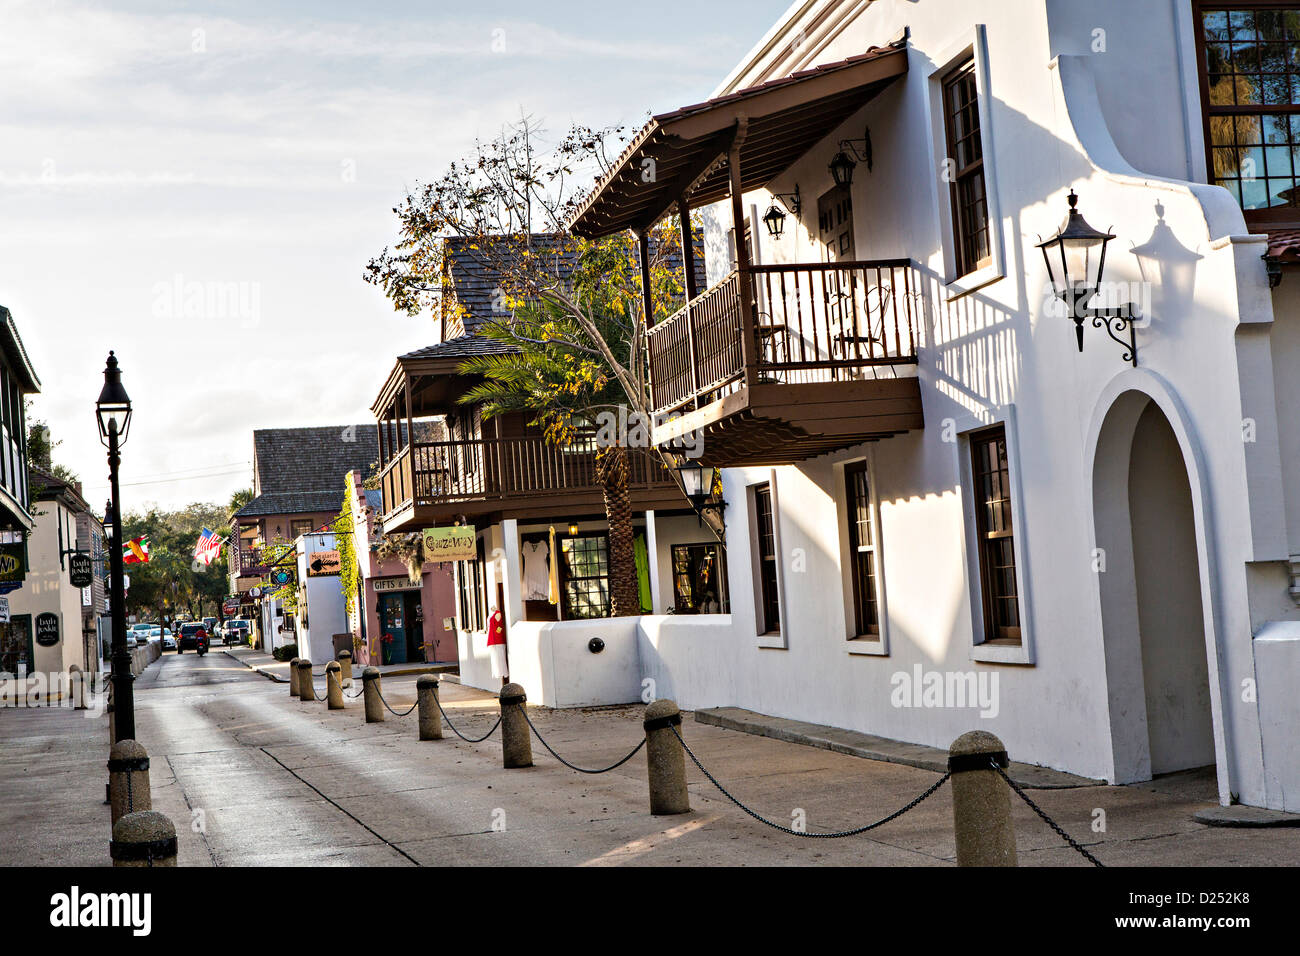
744, 278
688, 249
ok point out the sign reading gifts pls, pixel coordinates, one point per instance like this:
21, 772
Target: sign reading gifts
457, 543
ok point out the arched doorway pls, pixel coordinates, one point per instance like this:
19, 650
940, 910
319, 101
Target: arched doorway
1153, 619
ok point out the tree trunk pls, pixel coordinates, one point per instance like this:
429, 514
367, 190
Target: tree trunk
612, 473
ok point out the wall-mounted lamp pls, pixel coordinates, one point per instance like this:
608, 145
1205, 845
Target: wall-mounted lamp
774, 218
1080, 253
699, 482
851, 152
573, 531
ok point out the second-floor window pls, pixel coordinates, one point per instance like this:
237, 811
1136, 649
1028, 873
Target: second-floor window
1250, 91
970, 210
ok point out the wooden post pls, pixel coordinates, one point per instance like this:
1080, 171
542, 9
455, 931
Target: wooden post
647, 303
748, 336
688, 249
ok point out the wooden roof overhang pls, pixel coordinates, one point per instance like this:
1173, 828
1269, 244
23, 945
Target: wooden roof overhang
686, 148
436, 385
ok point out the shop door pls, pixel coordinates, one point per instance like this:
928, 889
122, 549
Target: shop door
392, 628
414, 625
16, 645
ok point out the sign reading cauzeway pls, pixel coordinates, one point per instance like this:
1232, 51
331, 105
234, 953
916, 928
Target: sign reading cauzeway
457, 543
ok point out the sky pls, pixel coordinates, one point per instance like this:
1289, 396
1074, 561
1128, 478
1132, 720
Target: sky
198, 187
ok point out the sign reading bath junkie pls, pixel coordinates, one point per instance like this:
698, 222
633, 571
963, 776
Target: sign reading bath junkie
321, 563
397, 584
47, 629
457, 543
80, 570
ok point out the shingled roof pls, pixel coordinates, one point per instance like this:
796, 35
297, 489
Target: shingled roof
477, 285
301, 470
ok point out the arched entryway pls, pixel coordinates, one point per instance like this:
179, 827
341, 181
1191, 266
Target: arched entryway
1153, 616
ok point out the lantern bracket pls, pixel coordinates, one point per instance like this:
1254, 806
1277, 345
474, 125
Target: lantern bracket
1117, 322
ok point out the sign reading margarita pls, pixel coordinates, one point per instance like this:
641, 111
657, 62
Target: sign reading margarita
456, 543
321, 563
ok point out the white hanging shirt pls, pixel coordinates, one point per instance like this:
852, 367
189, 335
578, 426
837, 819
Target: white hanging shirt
536, 571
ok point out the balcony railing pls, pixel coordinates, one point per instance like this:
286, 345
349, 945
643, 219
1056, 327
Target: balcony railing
250, 561
447, 472
813, 322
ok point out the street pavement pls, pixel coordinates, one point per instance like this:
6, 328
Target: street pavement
253, 777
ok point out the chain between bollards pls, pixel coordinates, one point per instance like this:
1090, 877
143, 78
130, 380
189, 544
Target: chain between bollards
615, 766
1046, 819
469, 740
929, 791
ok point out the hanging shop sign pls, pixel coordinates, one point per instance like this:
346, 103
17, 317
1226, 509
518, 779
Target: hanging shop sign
4, 610
47, 629
403, 583
281, 576
13, 563
456, 543
80, 570
322, 563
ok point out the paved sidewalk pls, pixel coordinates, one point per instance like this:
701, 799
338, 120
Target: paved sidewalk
268, 666
252, 777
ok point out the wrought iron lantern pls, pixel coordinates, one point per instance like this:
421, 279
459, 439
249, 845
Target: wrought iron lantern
851, 152
113, 410
774, 220
699, 481
1076, 265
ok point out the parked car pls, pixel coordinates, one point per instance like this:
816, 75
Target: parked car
211, 624
237, 632
191, 631
168, 642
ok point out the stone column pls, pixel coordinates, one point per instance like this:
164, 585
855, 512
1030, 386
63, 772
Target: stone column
426, 694
128, 779
516, 744
306, 691
143, 838
293, 678
981, 801
333, 686
371, 686
665, 759
345, 662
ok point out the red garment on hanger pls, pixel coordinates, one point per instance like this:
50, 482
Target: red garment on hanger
496, 629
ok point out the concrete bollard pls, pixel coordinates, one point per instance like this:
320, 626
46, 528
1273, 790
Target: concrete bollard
333, 686
371, 687
516, 744
128, 779
665, 759
345, 662
293, 677
143, 838
426, 695
981, 801
306, 690
77, 686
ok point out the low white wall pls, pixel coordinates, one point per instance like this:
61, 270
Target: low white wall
690, 658
1277, 657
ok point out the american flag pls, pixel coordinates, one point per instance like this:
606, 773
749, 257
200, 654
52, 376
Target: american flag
209, 547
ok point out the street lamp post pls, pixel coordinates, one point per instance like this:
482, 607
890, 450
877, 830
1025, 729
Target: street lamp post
113, 410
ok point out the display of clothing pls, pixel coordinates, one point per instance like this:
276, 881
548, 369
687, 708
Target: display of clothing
496, 644
537, 570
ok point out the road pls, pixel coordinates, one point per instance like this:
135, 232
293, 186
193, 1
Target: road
251, 776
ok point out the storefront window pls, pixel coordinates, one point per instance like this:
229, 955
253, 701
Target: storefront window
584, 576
699, 584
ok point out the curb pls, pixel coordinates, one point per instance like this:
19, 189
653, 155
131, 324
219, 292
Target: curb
1243, 817
265, 673
870, 747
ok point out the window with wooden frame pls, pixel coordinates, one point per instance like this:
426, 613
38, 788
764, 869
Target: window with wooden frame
765, 542
862, 550
584, 576
300, 526
1249, 70
472, 591
965, 170
995, 536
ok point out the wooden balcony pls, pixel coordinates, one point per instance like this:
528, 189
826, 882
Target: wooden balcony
430, 483
249, 562
830, 362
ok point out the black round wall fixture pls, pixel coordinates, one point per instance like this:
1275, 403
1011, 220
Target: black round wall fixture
595, 645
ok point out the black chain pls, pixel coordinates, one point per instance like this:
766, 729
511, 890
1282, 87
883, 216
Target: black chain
470, 740
390, 709
1046, 819
635, 751
803, 833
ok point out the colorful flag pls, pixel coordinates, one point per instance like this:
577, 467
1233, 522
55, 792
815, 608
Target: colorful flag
208, 548
136, 551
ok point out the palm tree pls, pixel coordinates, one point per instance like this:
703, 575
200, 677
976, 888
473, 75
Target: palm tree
553, 373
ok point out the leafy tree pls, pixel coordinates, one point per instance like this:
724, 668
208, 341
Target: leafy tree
172, 582
575, 313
